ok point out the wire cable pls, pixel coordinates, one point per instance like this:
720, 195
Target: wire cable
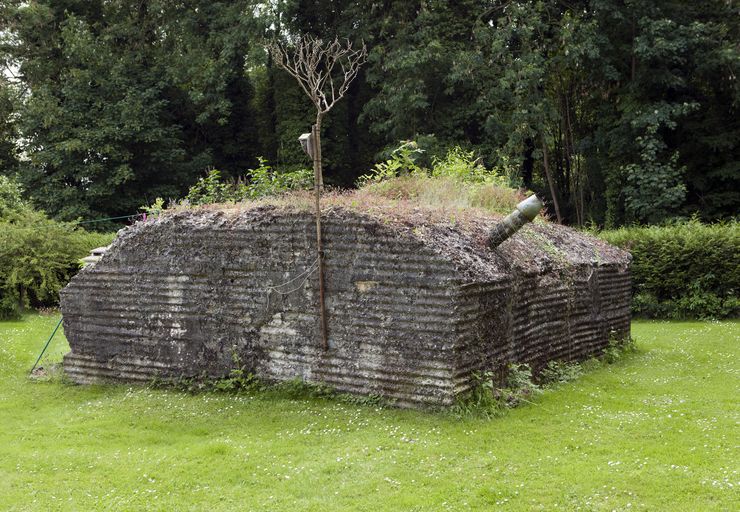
305, 275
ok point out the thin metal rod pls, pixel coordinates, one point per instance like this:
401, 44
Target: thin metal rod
318, 185
46, 346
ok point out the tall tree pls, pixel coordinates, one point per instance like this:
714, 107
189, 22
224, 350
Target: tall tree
130, 100
9, 102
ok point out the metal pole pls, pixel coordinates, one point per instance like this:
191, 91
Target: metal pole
46, 346
318, 185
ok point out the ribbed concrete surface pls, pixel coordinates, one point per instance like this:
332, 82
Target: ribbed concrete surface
412, 312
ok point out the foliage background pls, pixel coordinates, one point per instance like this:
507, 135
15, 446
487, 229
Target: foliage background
106, 105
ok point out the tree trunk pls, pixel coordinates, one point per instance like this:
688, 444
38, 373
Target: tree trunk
318, 165
528, 163
318, 187
546, 164
21, 298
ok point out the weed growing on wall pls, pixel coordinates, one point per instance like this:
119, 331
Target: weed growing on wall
238, 380
560, 372
235, 382
241, 381
402, 162
522, 386
617, 349
458, 164
486, 399
259, 182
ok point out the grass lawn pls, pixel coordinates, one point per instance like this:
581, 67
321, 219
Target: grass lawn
658, 430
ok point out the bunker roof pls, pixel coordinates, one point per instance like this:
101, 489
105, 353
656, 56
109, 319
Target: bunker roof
458, 234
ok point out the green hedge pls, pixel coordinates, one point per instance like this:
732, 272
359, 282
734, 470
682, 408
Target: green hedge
38, 256
687, 270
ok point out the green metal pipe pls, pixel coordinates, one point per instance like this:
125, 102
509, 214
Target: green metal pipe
525, 212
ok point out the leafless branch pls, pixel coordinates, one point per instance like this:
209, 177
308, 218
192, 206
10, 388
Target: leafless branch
324, 70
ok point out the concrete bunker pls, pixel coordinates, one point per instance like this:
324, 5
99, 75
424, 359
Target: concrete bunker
417, 301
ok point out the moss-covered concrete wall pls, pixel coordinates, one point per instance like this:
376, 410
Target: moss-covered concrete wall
413, 308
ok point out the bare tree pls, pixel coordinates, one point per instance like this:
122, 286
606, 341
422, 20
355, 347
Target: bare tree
324, 71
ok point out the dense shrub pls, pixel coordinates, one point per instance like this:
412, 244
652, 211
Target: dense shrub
38, 256
686, 270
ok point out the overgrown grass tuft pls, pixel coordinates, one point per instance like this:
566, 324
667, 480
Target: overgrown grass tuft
450, 187
458, 180
446, 191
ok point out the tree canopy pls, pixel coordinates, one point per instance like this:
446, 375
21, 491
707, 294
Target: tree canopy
630, 108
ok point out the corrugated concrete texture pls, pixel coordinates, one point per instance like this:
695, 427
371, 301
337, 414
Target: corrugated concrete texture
414, 309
